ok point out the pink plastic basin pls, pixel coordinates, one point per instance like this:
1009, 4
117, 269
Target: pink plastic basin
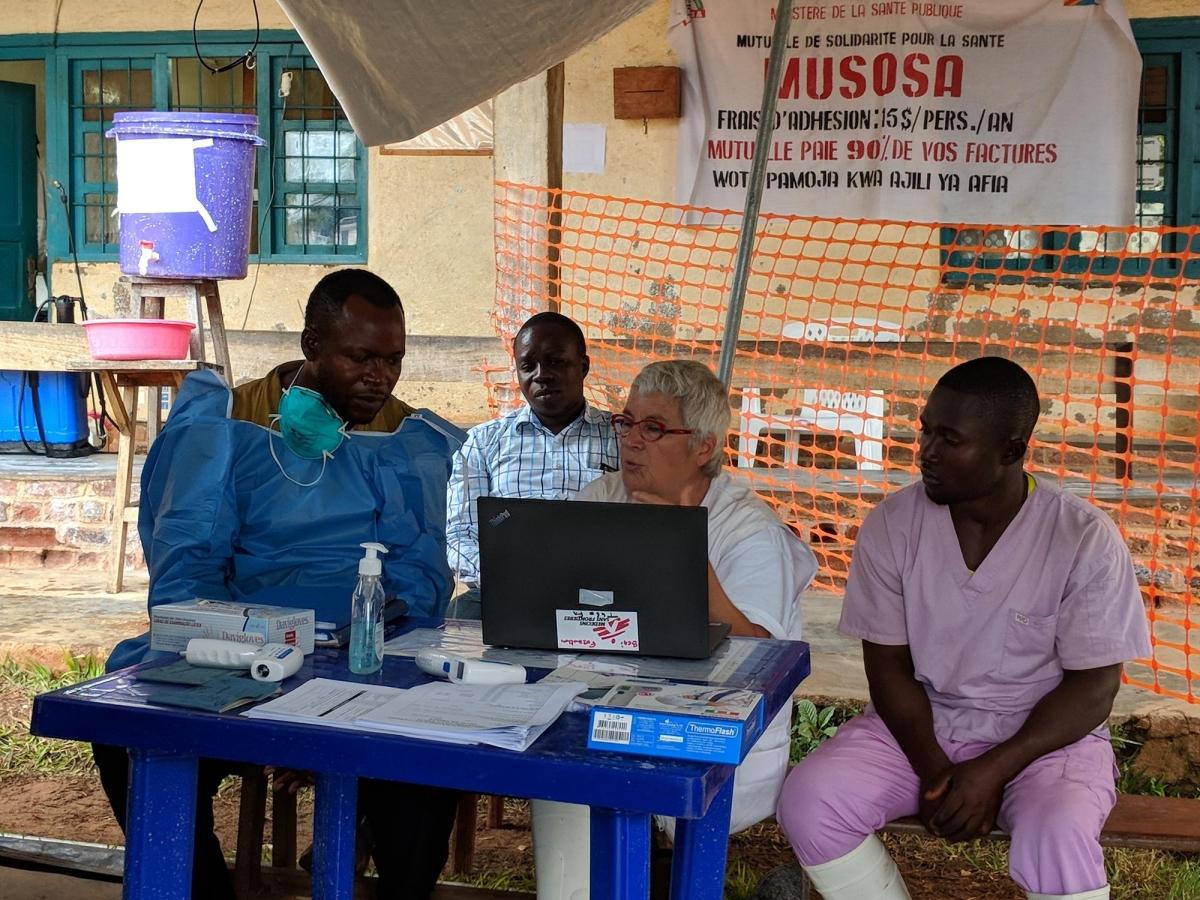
138, 338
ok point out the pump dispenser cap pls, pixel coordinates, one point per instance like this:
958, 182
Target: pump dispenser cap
371, 564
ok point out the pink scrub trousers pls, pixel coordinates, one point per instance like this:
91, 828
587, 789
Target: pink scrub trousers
859, 780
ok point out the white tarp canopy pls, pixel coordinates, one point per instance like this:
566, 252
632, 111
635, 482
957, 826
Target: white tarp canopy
400, 67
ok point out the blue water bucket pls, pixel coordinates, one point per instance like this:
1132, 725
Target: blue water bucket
45, 411
185, 191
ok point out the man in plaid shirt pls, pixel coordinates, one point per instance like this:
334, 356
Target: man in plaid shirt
550, 448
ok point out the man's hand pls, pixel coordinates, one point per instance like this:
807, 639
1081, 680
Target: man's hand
933, 792
290, 780
967, 796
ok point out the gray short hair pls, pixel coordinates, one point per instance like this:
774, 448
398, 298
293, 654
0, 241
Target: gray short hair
702, 398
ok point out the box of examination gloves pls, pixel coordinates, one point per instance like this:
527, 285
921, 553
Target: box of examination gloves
172, 625
680, 721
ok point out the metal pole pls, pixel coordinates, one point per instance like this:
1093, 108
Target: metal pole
758, 173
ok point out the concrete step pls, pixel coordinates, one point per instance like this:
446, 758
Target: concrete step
46, 614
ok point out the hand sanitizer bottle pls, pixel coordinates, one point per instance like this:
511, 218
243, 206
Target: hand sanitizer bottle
366, 613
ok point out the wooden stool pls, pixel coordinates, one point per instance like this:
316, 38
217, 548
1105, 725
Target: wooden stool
252, 813
250, 877
148, 298
462, 857
122, 380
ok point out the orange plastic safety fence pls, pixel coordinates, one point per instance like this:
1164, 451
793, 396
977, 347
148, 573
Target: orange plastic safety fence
848, 325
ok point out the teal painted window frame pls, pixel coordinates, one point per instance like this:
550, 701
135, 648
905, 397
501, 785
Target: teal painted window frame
79, 187
61, 54
343, 199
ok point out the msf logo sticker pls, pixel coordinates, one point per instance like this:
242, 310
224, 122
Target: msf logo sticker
597, 629
612, 629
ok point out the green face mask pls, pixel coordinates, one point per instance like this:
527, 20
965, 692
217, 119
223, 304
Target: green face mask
311, 428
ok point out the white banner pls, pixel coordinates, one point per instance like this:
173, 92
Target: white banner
1021, 111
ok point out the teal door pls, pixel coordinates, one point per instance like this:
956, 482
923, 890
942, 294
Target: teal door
18, 200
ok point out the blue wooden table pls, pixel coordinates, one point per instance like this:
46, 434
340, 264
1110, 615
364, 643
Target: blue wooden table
622, 790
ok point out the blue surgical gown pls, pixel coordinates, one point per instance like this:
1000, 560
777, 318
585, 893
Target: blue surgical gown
219, 521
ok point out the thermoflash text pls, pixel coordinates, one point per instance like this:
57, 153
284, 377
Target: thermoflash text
462, 670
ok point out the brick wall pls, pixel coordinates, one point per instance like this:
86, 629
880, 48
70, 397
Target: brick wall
60, 523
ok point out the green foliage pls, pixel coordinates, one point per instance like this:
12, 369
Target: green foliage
35, 678
1186, 884
1132, 874
1139, 874
1130, 781
505, 880
740, 880
23, 753
812, 726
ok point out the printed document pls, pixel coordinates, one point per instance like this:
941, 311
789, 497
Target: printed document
323, 701
511, 716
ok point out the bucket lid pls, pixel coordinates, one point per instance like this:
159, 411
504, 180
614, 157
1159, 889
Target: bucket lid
178, 123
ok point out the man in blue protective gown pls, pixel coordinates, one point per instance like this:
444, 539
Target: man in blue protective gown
263, 494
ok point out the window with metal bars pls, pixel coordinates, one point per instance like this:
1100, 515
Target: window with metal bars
317, 170
311, 178
99, 88
1167, 192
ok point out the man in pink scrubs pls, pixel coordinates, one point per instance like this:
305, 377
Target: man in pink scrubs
995, 612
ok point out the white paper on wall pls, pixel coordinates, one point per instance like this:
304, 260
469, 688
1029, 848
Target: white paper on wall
583, 148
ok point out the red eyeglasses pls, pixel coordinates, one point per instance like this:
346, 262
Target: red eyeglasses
651, 430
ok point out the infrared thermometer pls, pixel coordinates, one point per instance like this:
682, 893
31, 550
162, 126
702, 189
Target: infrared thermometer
266, 662
462, 670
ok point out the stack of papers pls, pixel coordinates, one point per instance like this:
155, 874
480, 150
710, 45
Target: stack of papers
511, 716
323, 701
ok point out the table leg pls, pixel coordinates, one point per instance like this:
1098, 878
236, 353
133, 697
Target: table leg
161, 826
123, 406
701, 845
335, 821
620, 855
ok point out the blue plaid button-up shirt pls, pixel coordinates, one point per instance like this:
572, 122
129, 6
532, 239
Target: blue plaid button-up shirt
516, 456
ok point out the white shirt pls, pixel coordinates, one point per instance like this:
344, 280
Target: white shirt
764, 569
517, 456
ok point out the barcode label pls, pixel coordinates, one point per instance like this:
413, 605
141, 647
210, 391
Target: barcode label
612, 728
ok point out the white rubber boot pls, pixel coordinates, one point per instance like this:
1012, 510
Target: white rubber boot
1098, 894
562, 842
865, 873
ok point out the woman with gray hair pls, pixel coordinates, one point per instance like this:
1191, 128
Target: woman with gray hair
672, 433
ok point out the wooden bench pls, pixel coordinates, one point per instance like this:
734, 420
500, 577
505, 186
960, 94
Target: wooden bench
1136, 822
1158, 823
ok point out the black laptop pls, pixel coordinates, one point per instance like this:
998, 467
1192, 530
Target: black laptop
596, 577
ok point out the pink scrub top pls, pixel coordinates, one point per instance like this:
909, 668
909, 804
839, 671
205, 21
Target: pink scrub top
1056, 592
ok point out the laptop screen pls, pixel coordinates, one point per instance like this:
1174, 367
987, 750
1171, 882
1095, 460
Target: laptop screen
582, 576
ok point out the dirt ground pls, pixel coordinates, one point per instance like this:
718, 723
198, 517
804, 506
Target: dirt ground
73, 807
